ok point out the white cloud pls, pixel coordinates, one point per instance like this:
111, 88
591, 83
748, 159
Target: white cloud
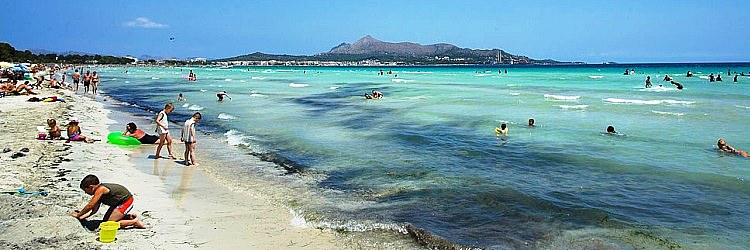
143, 22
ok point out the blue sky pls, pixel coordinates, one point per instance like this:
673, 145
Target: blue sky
589, 31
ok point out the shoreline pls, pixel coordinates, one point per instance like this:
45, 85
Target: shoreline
260, 176
221, 221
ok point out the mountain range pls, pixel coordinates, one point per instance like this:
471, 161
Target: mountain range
369, 48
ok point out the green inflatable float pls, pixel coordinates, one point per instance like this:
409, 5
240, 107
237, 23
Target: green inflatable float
118, 139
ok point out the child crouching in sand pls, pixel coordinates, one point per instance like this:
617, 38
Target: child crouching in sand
188, 136
117, 197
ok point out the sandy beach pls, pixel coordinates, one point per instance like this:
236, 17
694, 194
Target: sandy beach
181, 207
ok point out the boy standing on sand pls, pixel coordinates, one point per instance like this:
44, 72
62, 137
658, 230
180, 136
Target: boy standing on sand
117, 197
188, 136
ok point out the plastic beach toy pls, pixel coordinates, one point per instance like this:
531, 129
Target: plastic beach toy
108, 231
118, 139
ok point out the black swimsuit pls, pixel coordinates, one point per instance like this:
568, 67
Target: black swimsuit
148, 139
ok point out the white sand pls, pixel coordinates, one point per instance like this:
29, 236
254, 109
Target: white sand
182, 207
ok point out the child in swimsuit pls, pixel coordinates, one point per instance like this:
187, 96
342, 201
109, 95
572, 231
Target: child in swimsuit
74, 132
54, 131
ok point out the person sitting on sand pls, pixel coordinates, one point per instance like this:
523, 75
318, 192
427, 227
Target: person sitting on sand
531, 122
376, 94
53, 84
611, 130
74, 132
221, 95
648, 82
132, 130
729, 149
118, 198
368, 96
679, 86
54, 131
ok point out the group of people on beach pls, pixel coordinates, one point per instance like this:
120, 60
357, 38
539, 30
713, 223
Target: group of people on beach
90, 80
164, 137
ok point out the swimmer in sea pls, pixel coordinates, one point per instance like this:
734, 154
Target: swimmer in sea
667, 78
648, 82
221, 96
679, 86
368, 96
531, 122
689, 74
180, 98
611, 130
729, 149
376, 94
503, 130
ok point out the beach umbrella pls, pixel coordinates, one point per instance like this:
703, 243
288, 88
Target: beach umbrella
21, 67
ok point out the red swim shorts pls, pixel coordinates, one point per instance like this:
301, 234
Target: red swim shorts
125, 207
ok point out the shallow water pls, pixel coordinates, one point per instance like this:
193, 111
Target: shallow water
426, 154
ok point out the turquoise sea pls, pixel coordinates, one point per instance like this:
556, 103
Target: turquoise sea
424, 165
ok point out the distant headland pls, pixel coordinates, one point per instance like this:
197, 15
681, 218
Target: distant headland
370, 51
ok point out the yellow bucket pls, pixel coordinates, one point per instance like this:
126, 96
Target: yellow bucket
108, 231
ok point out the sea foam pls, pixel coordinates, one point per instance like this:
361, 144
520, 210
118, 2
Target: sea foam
562, 97
645, 102
195, 107
573, 106
225, 116
667, 113
298, 85
401, 80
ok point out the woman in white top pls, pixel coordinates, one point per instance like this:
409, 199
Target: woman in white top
162, 129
